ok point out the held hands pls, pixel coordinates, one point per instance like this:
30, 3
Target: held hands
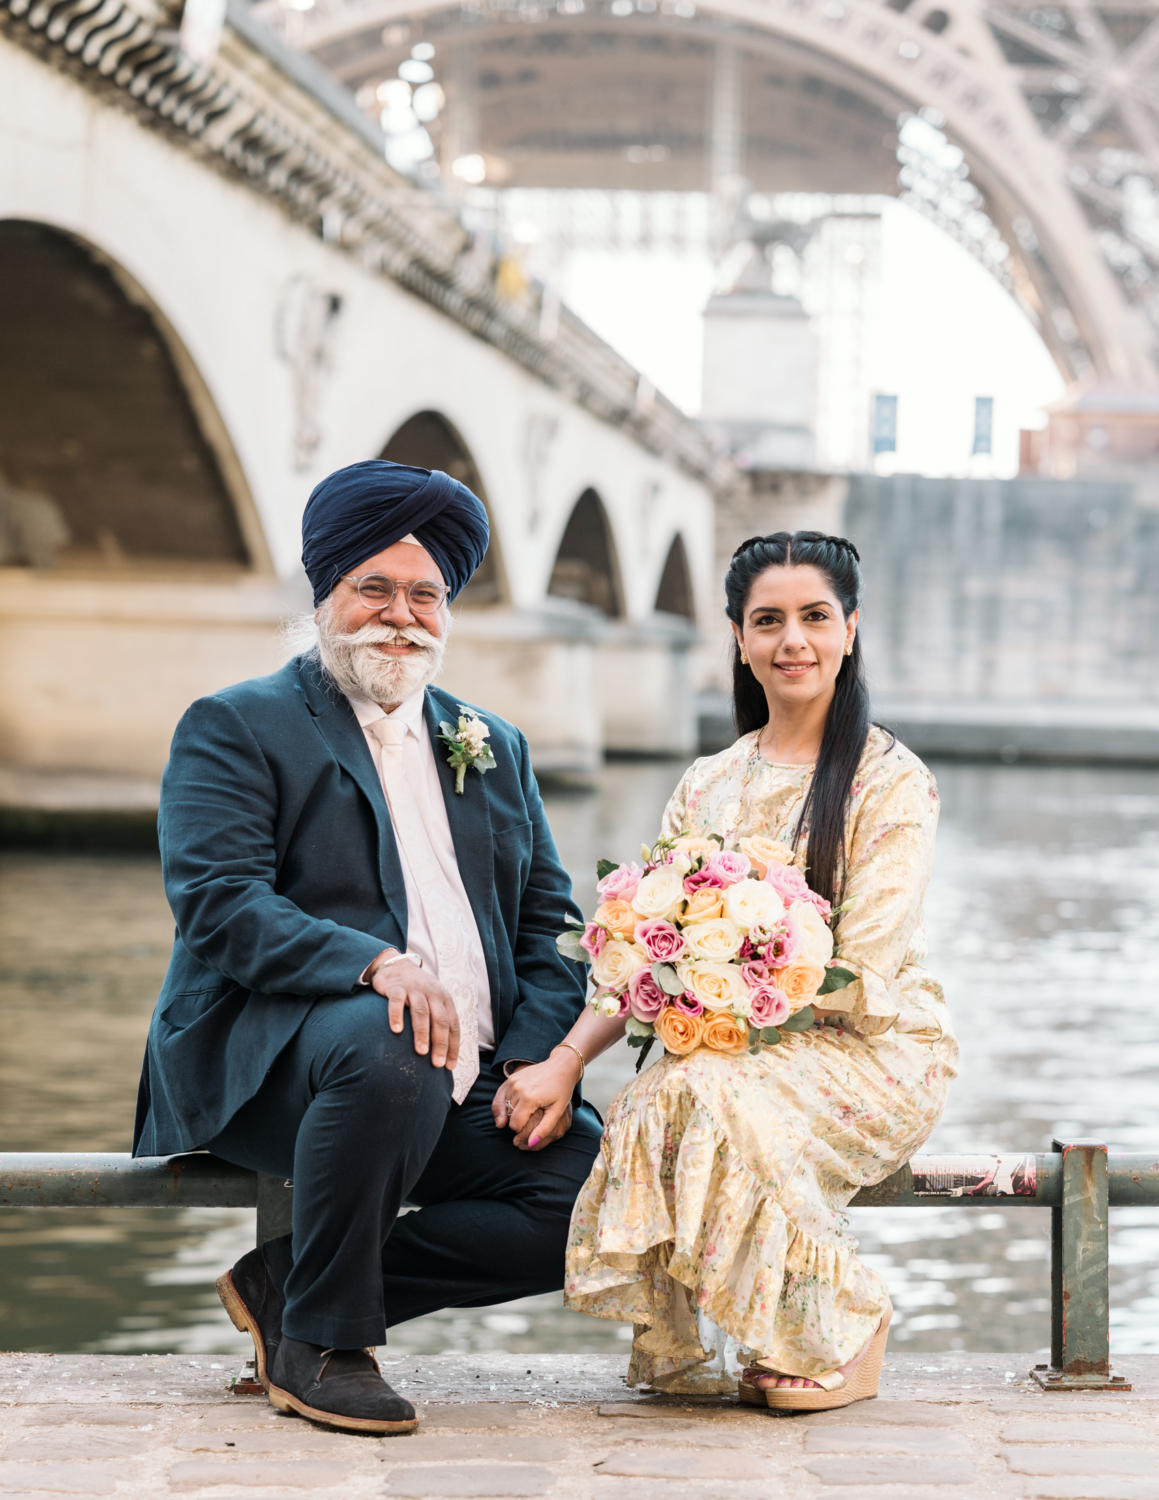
432, 1011
535, 1102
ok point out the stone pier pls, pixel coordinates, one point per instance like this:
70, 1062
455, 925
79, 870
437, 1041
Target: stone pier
945, 1425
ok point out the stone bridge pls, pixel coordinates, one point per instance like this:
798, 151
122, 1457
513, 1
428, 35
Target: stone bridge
213, 291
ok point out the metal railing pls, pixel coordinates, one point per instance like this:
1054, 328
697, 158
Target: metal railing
1077, 1182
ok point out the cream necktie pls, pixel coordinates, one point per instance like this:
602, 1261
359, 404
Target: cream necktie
439, 905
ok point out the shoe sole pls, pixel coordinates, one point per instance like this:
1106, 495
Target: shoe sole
240, 1317
286, 1402
862, 1384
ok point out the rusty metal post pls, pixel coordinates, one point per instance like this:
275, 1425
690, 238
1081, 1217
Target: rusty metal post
1079, 1293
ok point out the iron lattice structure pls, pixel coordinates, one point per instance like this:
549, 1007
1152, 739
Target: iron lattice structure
1048, 115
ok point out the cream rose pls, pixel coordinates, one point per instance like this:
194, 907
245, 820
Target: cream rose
799, 983
615, 966
816, 938
659, 894
717, 986
719, 940
753, 903
764, 852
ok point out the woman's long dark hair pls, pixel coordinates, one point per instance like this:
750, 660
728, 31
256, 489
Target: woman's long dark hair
847, 725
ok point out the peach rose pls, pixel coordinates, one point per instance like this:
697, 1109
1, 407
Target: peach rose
702, 906
693, 844
816, 938
752, 903
659, 894
764, 852
724, 1033
615, 966
716, 986
678, 1032
718, 940
618, 917
799, 983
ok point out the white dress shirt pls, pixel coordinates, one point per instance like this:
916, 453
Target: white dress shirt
422, 777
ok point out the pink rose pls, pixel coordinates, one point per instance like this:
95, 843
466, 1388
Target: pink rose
768, 1006
688, 1003
645, 997
788, 883
756, 973
663, 943
791, 886
701, 878
594, 939
729, 867
621, 884
784, 945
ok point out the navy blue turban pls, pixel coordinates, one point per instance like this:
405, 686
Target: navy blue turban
361, 510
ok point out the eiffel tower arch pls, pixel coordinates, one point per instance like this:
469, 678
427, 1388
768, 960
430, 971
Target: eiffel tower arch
1053, 110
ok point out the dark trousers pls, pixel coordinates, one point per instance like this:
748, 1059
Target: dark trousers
363, 1124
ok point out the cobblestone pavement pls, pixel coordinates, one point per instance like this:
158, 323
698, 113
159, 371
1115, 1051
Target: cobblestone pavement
953, 1426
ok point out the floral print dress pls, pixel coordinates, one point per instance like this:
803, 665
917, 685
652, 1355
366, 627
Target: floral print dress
719, 1189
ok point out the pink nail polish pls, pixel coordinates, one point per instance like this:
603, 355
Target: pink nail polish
534, 1141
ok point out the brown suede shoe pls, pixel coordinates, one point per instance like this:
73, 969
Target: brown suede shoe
337, 1388
254, 1305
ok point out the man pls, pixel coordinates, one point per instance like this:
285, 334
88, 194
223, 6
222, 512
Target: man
365, 966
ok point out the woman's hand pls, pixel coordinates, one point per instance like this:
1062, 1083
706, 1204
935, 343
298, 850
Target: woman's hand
535, 1102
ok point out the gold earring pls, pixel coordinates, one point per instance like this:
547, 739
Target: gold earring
849, 649
744, 656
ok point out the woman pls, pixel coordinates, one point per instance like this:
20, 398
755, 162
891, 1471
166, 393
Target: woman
717, 1197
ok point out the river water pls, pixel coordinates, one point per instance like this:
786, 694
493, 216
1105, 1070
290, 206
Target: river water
1043, 921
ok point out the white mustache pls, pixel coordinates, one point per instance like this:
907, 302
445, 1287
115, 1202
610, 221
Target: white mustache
387, 635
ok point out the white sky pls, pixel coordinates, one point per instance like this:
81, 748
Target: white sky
948, 333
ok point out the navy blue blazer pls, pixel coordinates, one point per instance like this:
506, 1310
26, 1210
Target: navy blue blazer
282, 871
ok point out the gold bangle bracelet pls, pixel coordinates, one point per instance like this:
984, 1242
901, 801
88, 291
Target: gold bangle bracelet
571, 1047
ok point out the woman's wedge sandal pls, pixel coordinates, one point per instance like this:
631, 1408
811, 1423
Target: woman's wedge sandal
827, 1391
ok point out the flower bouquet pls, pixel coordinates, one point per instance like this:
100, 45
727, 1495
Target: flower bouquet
706, 946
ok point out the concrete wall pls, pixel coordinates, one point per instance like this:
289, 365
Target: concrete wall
1000, 617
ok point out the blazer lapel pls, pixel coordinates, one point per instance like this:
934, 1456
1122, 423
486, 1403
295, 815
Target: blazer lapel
347, 740
469, 816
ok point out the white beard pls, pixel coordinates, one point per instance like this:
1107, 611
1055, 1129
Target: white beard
359, 671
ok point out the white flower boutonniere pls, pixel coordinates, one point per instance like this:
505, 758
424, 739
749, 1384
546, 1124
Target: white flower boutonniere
468, 745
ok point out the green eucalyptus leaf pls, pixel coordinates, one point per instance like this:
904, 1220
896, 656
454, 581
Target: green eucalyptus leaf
771, 1035
800, 1021
605, 867
568, 944
755, 1051
639, 1028
666, 977
638, 1041
836, 979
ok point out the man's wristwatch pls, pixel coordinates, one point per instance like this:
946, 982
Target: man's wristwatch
380, 963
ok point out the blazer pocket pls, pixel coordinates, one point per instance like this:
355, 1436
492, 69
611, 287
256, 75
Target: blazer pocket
182, 1009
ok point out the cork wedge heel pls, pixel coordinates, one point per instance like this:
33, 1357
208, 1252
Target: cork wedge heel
831, 1390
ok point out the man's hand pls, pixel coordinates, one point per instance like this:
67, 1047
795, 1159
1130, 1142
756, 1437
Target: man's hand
535, 1102
432, 1011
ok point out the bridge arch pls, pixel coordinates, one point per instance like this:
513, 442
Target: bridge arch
586, 567
112, 453
674, 594
1038, 102
430, 440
